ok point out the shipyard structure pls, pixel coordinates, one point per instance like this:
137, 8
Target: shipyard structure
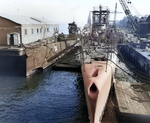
135, 46
28, 44
138, 25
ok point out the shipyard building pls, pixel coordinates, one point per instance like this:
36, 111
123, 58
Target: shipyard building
17, 30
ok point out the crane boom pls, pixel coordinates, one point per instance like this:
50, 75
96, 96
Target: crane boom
128, 14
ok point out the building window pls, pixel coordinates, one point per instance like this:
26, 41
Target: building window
32, 31
37, 30
25, 31
47, 29
40, 30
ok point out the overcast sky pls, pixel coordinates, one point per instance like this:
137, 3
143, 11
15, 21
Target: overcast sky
64, 11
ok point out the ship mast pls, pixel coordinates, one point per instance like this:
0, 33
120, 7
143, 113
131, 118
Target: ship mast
114, 23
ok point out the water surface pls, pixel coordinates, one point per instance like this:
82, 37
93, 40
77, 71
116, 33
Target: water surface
47, 97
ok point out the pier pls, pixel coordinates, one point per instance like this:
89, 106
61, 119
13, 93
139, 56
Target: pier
133, 102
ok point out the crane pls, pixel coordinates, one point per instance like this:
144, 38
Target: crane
115, 13
129, 14
114, 23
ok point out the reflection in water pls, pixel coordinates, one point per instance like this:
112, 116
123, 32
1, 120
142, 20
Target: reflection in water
48, 97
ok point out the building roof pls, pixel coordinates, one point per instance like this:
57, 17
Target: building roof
25, 20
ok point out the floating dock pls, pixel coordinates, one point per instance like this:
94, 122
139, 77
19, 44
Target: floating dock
133, 102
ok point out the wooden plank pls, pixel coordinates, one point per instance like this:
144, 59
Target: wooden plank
126, 98
140, 107
120, 98
146, 101
134, 103
131, 103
